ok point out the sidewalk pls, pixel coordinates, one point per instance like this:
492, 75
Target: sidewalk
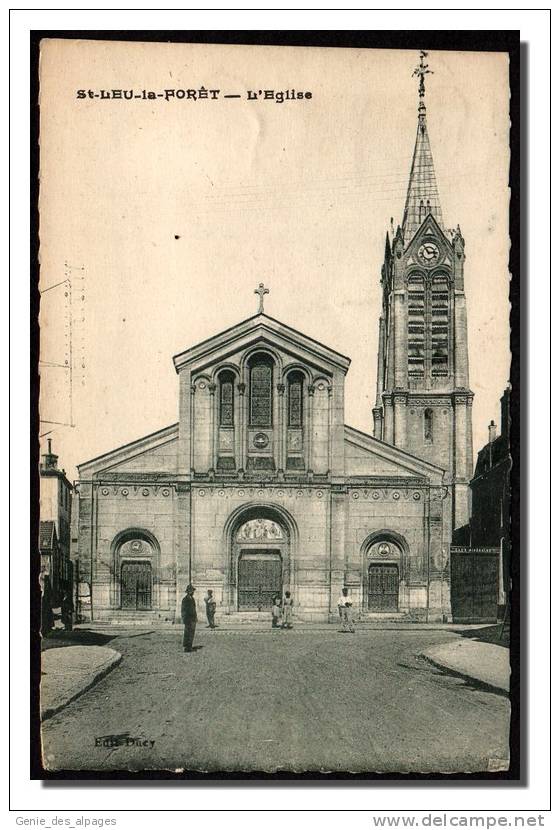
68, 672
484, 663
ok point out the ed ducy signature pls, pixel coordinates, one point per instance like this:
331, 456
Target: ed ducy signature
124, 739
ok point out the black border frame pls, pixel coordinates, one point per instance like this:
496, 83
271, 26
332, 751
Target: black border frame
490, 41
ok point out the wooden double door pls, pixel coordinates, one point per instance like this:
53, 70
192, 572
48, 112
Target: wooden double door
383, 587
136, 586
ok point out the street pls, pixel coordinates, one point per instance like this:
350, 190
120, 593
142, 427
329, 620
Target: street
279, 700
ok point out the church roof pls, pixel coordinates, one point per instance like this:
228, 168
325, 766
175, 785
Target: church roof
422, 195
261, 325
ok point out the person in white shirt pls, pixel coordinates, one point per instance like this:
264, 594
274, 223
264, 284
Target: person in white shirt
345, 612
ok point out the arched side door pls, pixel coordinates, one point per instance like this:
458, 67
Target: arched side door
136, 586
383, 587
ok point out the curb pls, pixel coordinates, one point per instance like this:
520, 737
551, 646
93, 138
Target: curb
469, 678
93, 679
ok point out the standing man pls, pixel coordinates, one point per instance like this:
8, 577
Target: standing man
210, 603
67, 609
188, 615
345, 612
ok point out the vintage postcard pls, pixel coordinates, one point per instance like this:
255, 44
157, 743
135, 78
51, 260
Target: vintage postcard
275, 409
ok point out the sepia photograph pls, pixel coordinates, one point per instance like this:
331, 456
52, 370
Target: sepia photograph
274, 525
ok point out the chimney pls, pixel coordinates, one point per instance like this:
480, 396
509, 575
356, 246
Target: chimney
505, 413
50, 460
491, 432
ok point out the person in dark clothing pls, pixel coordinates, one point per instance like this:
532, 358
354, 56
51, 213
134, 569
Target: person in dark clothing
67, 610
210, 603
188, 615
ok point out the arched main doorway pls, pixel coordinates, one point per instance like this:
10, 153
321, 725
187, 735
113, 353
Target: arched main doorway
260, 558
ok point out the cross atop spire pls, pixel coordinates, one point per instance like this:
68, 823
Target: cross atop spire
422, 70
422, 196
261, 291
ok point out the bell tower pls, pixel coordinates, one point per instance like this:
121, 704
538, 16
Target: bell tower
423, 400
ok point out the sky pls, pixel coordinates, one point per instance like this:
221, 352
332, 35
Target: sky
158, 218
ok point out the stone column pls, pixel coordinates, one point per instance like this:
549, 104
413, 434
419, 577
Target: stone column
401, 339
377, 413
242, 425
182, 533
184, 459
460, 462
213, 422
461, 353
388, 420
338, 544
309, 444
380, 362
280, 449
400, 435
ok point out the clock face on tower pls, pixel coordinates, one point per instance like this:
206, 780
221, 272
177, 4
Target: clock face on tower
428, 253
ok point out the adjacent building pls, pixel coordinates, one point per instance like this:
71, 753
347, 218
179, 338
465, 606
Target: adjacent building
55, 512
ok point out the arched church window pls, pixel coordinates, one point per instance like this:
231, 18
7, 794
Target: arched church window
440, 325
295, 399
416, 325
260, 391
226, 381
428, 425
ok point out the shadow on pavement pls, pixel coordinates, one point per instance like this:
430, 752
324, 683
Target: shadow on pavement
78, 637
489, 634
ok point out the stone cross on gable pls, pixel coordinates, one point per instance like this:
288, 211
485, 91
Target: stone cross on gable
261, 291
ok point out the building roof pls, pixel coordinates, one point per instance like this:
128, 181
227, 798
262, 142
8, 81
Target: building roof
422, 196
492, 455
47, 536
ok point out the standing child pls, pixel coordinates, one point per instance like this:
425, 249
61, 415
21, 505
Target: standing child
287, 611
276, 612
210, 603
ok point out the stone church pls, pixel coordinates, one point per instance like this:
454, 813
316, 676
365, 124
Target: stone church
261, 487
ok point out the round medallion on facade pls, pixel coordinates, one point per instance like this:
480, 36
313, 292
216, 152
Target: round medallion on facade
375, 494
165, 492
221, 492
241, 492
124, 491
319, 494
320, 386
260, 493
396, 496
136, 546
202, 385
260, 441
355, 495
428, 253
202, 492
299, 493
416, 496
105, 491
280, 492
383, 549
145, 492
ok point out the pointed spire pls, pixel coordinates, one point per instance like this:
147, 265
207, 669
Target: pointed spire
422, 196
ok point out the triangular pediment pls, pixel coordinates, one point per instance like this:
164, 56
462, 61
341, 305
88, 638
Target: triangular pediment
367, 456
429, 231
261, 330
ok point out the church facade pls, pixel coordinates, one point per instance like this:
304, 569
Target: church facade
261, 487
